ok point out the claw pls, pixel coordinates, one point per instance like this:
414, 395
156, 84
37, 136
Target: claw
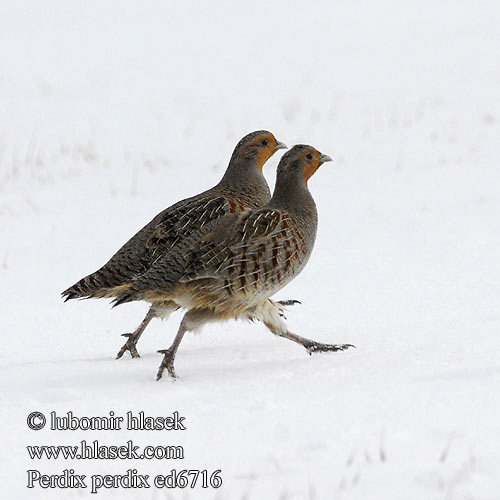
289, 302
285, 303
128, 346
166, 363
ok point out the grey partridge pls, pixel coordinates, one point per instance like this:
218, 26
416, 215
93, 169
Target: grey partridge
243, 186
230, 268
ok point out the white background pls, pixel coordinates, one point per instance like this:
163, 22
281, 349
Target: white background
111, 111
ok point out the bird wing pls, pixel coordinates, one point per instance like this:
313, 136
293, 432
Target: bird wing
245, 251
149, 244
256, 243
181, 222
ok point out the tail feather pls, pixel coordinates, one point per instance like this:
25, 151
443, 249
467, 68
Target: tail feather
122, 298
94, 286
69, 294
78, 291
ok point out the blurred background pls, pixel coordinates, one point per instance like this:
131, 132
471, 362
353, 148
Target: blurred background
112, 111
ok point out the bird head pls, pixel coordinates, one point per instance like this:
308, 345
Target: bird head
301, 161
257, 146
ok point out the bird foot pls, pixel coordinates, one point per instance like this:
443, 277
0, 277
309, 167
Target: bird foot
288, 302
168, 363
285, 303
129, 346
319, 347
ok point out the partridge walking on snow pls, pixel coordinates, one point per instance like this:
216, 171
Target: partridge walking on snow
231, 267
243, 186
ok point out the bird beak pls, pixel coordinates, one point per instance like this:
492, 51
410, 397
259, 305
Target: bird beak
325, 158
280, 145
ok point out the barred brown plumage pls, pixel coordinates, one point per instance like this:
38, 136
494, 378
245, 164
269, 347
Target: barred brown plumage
243, 186
231, 267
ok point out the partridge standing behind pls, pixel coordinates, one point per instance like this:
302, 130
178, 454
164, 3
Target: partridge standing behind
231, 267
242, 186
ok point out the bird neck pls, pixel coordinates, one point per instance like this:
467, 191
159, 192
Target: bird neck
244, 173
294, 198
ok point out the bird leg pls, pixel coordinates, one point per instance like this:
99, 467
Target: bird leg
278, 327
133, 338
169, 354
313, 346
192, 320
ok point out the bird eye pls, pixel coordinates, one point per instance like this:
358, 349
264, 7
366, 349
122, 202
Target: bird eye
265, 142
309, 156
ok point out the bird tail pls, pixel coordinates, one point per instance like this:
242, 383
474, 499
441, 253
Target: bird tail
94, 286
80, 290
126, 296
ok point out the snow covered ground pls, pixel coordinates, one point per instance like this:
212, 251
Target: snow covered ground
111, 111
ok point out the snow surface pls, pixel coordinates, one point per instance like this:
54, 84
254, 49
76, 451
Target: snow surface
111, 111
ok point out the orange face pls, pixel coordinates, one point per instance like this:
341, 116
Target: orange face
267, 145
312, 161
